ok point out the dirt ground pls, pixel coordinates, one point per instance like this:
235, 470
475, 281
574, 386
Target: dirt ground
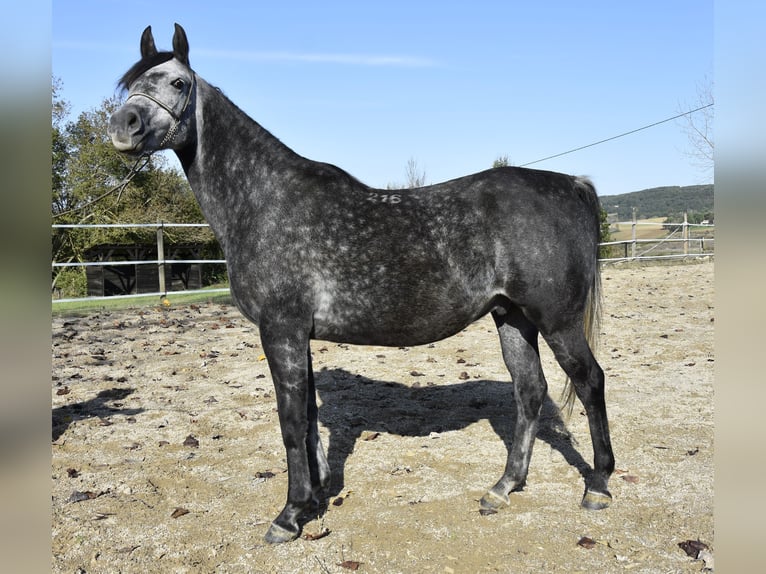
167, 457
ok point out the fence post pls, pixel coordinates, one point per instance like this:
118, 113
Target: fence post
161, 258
633, 236
685, 234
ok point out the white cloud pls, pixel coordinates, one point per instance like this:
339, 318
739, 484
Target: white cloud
323, 58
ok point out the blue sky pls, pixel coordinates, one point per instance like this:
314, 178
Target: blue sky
454, 85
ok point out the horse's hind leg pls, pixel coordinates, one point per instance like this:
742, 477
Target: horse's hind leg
574, 355
518, 339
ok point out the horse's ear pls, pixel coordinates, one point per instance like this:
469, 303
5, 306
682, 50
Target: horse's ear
181, 45
148, 48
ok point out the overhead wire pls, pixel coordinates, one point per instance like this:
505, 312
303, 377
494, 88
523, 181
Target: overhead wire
618, 136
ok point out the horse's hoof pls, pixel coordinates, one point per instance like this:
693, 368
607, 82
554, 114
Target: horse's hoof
277, 535
494, 501
596, 500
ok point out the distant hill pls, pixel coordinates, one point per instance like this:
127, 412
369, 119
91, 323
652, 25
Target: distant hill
672, 201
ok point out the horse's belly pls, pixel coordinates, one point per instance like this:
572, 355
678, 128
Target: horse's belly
397, 325
398, 337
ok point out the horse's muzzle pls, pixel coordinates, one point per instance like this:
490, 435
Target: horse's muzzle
126, 128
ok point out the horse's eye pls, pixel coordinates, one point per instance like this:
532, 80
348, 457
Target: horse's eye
177, 84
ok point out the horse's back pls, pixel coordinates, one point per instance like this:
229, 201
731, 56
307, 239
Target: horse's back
412, 266
419, 264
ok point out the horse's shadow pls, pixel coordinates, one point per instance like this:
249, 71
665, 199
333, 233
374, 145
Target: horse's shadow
105, 403
353, 404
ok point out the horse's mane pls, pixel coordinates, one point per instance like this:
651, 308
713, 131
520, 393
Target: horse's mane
142, 66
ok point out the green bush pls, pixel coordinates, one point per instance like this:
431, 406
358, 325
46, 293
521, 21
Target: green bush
70, 282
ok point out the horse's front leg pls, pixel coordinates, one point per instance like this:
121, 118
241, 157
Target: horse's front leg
318, 465
287, 353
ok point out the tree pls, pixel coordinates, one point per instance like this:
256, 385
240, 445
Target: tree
415, 177
698, 127
605, 235
86, 176
59, 145
501, 161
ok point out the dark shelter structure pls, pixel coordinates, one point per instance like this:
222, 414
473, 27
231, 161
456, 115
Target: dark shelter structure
138, 277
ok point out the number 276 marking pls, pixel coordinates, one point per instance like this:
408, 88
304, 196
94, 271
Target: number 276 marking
384, 198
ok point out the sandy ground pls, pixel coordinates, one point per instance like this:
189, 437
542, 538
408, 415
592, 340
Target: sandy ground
167, 457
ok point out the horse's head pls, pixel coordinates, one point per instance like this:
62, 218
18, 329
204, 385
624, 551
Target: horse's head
159, 110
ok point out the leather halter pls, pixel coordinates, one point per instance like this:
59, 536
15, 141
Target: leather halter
176, 116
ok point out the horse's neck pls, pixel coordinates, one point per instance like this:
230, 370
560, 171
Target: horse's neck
235, 160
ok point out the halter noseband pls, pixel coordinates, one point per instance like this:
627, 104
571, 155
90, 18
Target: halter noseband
176, 116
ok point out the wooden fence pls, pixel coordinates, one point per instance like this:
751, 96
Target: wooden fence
659, 240
676, 241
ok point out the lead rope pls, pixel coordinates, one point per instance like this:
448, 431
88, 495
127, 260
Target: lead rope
119, 188
144, 158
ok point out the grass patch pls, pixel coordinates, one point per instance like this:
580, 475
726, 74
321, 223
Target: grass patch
670, 262
86, 306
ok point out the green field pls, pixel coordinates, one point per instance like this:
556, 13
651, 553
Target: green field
652, 230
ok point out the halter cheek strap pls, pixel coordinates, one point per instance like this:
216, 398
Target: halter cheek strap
176, 116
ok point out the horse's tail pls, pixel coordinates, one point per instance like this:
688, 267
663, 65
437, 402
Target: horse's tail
592, 317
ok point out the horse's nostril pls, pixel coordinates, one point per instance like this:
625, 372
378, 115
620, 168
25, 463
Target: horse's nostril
134, 122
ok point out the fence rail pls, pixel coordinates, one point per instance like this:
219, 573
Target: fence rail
657, 249
679, 242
